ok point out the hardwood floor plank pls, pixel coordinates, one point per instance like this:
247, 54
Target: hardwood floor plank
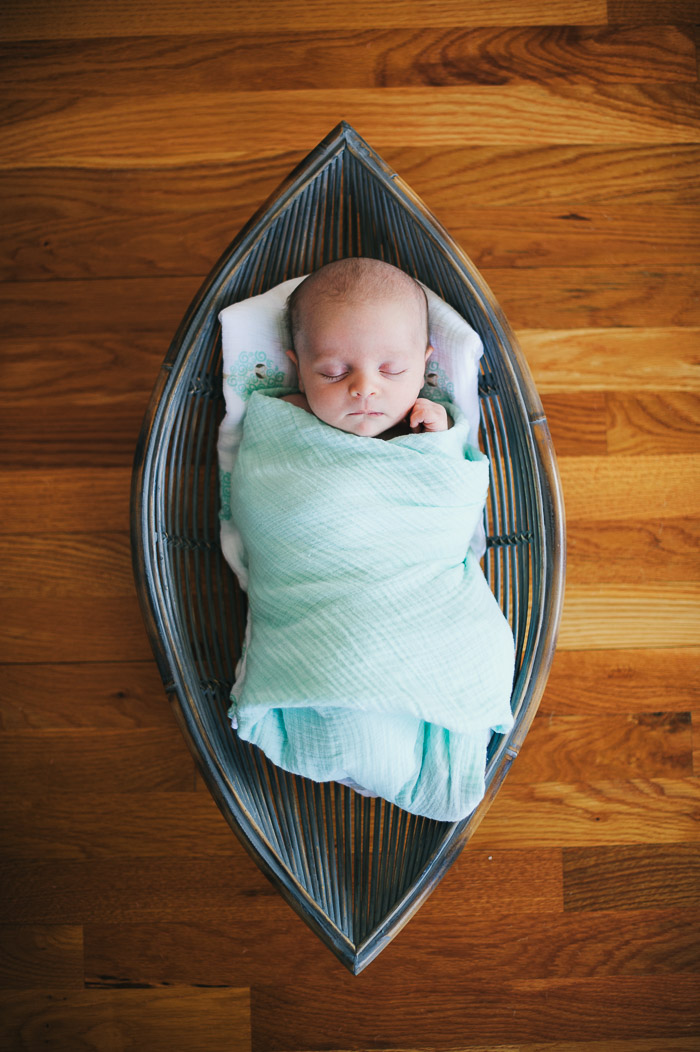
632, 877
542, 297
157, 1019
618, 360
633, 552
233, 891
297, 1016
139, 761
576, 748
587, 682
94, 375
41, 956
638, 811
577, 423
81, 245
30, 19
118, 132
582, 945
126, 696
72, 629
78, 565
620, 11
63, 436
615, 489
564, 177
348, 58
647, 423
620, 616
65, 500
102, 823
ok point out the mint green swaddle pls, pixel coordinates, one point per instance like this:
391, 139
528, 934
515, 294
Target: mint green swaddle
377, 652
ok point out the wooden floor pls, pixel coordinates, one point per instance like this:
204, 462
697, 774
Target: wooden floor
560, 143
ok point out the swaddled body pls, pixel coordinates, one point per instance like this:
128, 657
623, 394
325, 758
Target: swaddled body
377, 652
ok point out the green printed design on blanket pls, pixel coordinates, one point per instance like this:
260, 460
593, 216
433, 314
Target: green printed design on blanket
377, 651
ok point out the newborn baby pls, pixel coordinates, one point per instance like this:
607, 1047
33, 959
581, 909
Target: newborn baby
377, 655
361, 342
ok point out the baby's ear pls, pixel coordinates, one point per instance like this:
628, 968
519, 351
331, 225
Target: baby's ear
293, 358
429, 350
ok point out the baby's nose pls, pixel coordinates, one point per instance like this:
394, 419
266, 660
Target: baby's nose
362, 385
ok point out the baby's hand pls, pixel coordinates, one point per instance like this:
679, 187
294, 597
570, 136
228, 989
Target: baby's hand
428, 416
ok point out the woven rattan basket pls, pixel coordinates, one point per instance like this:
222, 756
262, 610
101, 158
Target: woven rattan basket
355, 868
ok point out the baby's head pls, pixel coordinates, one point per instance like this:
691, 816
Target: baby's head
360, 343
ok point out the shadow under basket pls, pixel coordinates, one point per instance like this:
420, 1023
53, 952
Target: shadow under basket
356, 869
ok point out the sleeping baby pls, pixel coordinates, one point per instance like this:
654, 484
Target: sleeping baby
376, 654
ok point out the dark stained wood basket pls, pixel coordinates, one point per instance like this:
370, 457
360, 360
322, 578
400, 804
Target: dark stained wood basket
355, 868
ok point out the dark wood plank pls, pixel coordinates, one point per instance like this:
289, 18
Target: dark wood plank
42, 956
124, 132
72, 629
620, 11
77, 436
576, 748
231, 889
632, 877
75, 564
609, 681
577, 423
86, 760
126, 696
345, 58
633, 552
160, 1020
580, 945
83, 245
543, 297
65, 500
311, 1017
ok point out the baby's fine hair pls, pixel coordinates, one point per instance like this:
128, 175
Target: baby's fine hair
357, 277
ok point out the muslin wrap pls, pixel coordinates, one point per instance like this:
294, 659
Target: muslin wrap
376, 652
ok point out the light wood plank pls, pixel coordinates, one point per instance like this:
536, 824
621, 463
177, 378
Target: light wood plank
575, 748
45, 956
613, 489
639, 811
31, 19
117, 133
618, 616
157, 1019
632, 877
653, 423
608, 681
349, 58
618, 360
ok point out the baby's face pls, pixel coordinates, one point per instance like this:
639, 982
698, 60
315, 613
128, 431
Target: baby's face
361, 365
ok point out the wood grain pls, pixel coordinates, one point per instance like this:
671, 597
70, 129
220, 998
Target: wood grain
116, 132
79, 19
560, 145
347, 58
162, 1019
